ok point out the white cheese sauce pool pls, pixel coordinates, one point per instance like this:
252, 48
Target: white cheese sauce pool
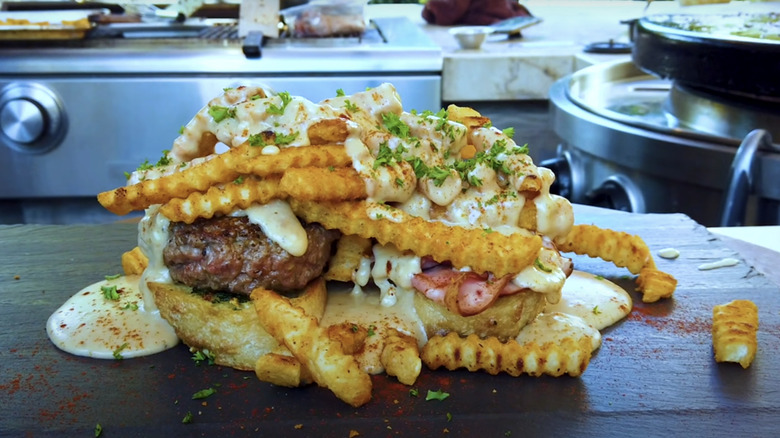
91, 325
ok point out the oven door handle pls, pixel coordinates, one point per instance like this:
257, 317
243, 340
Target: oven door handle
742, 177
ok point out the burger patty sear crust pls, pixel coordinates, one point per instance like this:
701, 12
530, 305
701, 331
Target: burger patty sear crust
232, 254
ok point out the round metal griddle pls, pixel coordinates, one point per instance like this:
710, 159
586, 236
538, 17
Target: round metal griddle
737, 54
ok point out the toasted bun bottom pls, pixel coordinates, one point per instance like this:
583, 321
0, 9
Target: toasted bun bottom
229, 330
503, 319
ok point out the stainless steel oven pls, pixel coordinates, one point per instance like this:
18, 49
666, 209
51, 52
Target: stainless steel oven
75, 115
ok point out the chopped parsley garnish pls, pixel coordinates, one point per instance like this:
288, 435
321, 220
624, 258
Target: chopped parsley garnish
340, 92
110, 292
256, 140
187, 418
449, 417
130, 306
113, 277
144, 166
414, 392
538, 263
396, 126
371, 329
509, 132
220, 113
203, 393
283, 139
399, 182
98, 430
118, 352
351, 107
596, 310
203, 356
599, 277
388, 157
355, 328
436, 395
239, 180
181, 130
286, 99
164, 160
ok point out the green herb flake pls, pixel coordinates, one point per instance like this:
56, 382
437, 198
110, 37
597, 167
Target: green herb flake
220, 113
449, 417
130, 306
118, 352
599, 277
181, 130
113, 277
414, 392
144, 166
351, 107
371, 329
273, 109
436, 395
256, 140
203, 393
284, 139
395, 125
355, 328
509, 132
203, 356
128, 175
596, 310
98, 430
239, 180
340, 92
187, 418
110, 292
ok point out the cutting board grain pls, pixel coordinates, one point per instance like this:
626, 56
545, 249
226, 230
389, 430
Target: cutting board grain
654, 374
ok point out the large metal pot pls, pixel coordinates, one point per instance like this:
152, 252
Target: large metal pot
623, 149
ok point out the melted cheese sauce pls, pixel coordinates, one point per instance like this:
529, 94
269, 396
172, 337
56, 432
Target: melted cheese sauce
89, 324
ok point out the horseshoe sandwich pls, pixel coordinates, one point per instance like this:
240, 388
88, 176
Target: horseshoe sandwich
434, 232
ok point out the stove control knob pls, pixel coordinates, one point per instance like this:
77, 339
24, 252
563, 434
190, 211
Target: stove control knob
31, 118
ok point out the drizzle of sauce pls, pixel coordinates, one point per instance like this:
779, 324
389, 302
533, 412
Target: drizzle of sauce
723, 263
91, 325
598, 301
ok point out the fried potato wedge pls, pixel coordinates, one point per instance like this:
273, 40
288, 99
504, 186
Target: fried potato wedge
282, 370
350, 251
328, 131
222, 199
482, 251
310, 345
323, 184
134, 262
491, 355
401, 357
233, 332
352, 337
734, 332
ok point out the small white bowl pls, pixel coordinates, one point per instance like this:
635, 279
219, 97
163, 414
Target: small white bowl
471, 37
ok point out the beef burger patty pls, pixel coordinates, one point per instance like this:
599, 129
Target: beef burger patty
232, 254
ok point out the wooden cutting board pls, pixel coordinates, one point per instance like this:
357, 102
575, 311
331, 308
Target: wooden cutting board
654, 374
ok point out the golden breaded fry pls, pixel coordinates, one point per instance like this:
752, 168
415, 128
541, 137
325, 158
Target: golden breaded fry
481, 250
328, 131
350, 250
223, 199
198, 178
451, 351
401, 357
467, 116
282, 370
305, 156
655, 284
734, 332
134, 262
312, 347
323, 184
622, 249
352, 337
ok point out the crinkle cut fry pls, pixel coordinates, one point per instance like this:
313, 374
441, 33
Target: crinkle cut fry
624, 250
223, 199
401, 357
311, 346
244, 159
323, 184
482, 251
734, 332
350, 249
293, 157
492, 356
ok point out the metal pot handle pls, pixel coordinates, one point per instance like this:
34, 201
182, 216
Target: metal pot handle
742, 177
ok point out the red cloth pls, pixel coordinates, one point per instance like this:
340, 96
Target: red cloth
473, 12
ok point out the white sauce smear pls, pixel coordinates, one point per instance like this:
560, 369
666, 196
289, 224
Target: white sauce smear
91, 325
